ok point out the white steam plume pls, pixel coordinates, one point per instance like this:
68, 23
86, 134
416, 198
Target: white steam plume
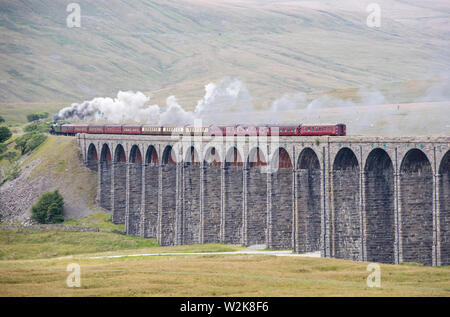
225, 96
228, 102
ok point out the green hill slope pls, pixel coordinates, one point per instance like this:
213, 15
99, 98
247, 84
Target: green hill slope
56, 164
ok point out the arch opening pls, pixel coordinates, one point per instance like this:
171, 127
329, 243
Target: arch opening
169, 197
282, 200
119, 155
169, 156
416, 186
308, 160
233, 158
212, 157
119, 186
379, 204
191, 157
233, 196
105, 154
281, 159
151, 201
256, 198
92, 158
212, 182
191, 197
92, 153
135, 155
308, 187
134, 191
444, 208
105, 178
151, 157
256, 158
347, 242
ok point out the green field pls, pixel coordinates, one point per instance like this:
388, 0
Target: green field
41, 258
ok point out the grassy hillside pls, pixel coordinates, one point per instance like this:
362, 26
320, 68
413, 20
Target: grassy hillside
15, 114
176, 47
56, 164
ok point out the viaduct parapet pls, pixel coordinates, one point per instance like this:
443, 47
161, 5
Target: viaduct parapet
381, 199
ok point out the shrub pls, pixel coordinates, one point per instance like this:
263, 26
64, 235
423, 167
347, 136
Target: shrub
13, 172
37, 116
49, 208
29, 141
2, 119
43, 127
34, 142
11, 156
3, 148
5, 134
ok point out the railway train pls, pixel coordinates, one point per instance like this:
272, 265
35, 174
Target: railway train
237, 130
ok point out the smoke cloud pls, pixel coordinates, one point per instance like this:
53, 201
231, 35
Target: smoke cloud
228, 102
225, 96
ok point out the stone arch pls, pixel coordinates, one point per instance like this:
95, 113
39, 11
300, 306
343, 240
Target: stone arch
119, 155
105, 177
308, 214
92, 153
256, 198
168, 197
151, 202
256, 158
281, 159
119, 185
308, 160
169, 156
212, 157
105, 155
191, 217
134, 191
282, 200
379, 207
151, 156
191, 157
212, 195
135, 155
233, 196
444, 208
346, 199
92, 157
416, 193
233, 157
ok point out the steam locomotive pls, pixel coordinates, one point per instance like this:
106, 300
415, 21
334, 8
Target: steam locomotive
237, 130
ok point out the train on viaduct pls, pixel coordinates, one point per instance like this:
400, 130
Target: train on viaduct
378, 199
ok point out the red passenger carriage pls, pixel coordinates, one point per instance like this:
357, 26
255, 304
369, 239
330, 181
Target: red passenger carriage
239, 130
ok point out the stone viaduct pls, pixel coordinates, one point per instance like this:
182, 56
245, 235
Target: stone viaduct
378, 199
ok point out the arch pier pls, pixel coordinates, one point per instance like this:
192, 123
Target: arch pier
374, 199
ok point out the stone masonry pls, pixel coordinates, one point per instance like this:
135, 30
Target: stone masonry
383, 199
